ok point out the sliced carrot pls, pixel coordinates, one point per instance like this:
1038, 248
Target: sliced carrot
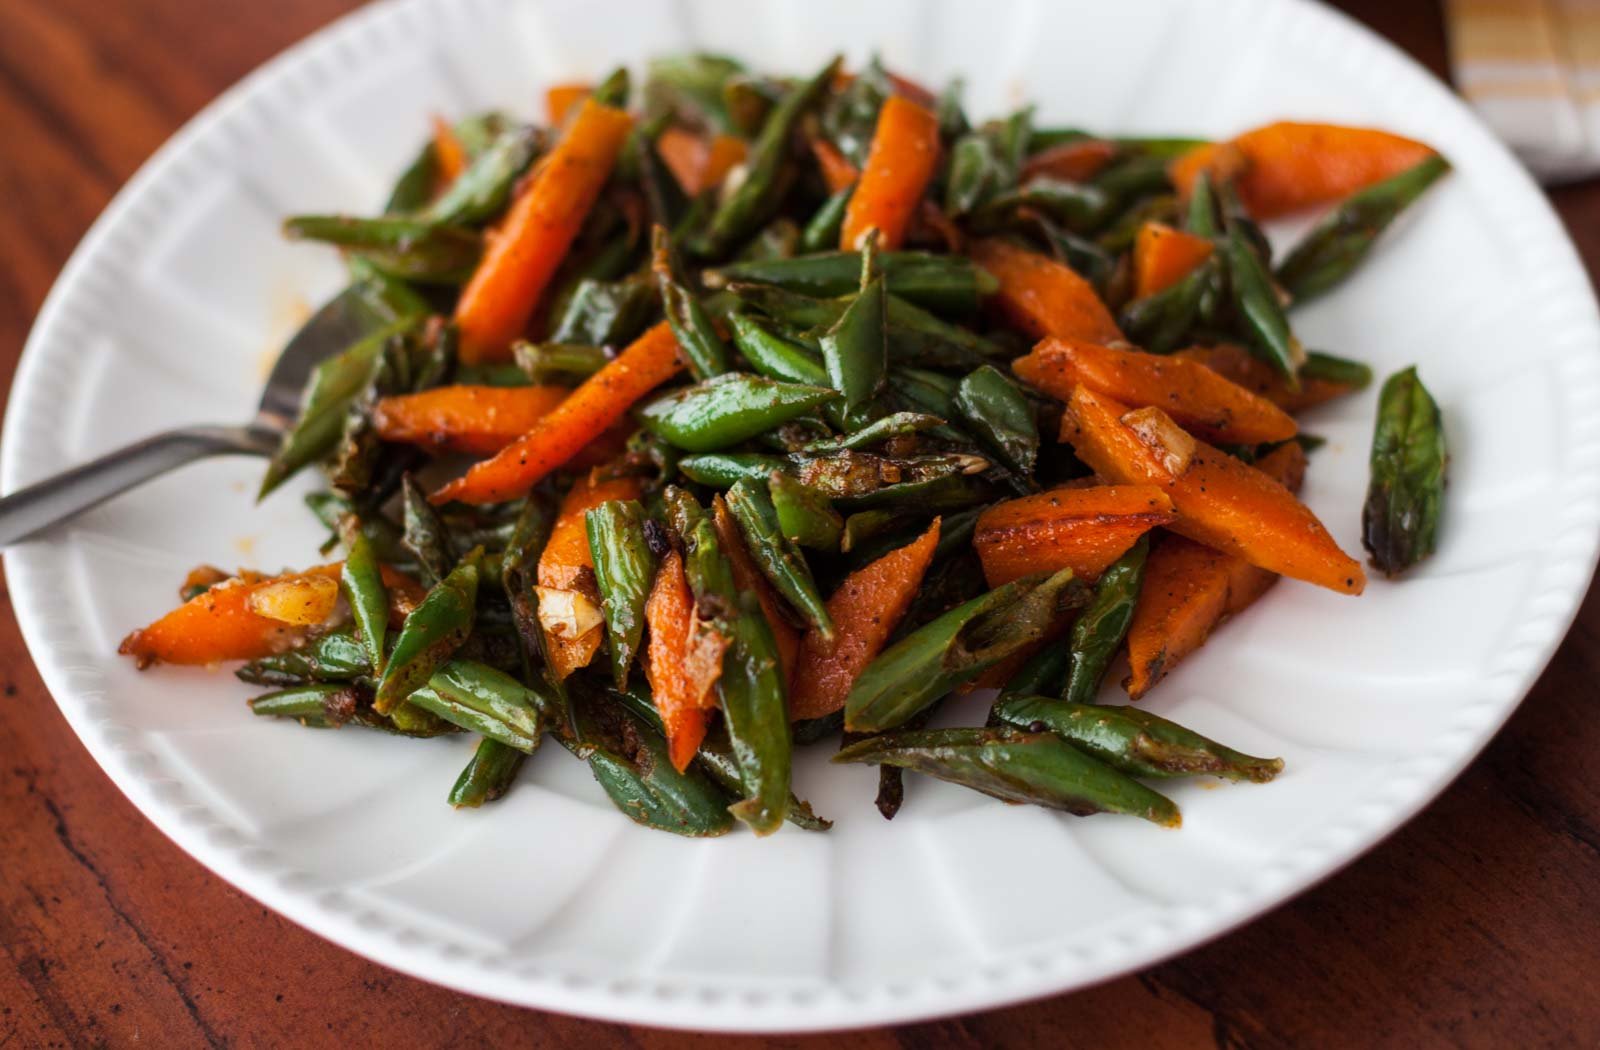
536, 232
1289, 166
681, 670
560, 99
837, 171
865, 611
1163, 256
223, 623
1043, 297
1198, 398
1220, 501
699, 164
1082, 529
478, 420
587, 413
749, 578
1255, 375
569, 597
1076, 161
1189, 589
448, 153
900, 164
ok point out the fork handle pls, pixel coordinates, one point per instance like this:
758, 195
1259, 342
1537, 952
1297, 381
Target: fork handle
72, 492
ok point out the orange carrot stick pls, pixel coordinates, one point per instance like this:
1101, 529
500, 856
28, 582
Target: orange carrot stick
837, 171
1220, 501
1043, 297
1076, 161
1246, 370
569, 597
536, 232
559, 100
1200, 399
478, 420
1189, 589
865, 611
900, 163
1288, 166
587, 412
1083, 529
682, 661
747, 576
448, 152
1163, 256
220, 624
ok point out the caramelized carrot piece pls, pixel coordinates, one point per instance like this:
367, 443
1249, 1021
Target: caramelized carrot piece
1253, 374
587, 412
837, 171
1077, 161
448, 152
569, 597
1042, 297
536, 232
682, 661
1163, 256
696, 163
221, 624
1084, 529
748, 577
865, 611
477, 420
559, 100
1220, 501
1189, 589
1198, 398
1289, 166
900, 163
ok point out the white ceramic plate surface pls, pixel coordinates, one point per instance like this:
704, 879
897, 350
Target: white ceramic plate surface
171, 309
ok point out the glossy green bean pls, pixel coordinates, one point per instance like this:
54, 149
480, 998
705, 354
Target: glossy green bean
778, 558
999, 416
431, 634
855, 349
426, 535
481, 700
1098, 632
482, 191
804, 515
949, 284
361, 581
1405, 497
487, 775
409, 249
728, 409
624, 568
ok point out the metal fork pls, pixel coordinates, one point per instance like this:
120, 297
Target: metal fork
344, 320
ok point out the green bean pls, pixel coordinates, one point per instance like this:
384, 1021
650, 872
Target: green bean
487, 775
896, 424
480, 700
1134, 176
1200, 218
624, 568
1078, 206
950, 284
973, 173
605, 313
997, 413
338, 656
1400, 519
409, 249
568, 363
1161, 321
1352, 374
821, 232
850, 116
1335, 246
415, 185
779, 559
482, 191
519, 566
743, 211
1256, 302
956, 648
319, 706
331, 507
698, 341
1018, 767
774, 356
431, 634
1045, 673
361, 580
1088, 258
855, 348
613, 90
728, 409
805, 516
333, 386
691, 85
1100, 628
1132, 740
426, 536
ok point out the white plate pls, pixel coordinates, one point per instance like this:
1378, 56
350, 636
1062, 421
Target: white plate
169, 312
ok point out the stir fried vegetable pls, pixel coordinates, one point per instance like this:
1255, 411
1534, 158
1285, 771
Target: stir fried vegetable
800, 407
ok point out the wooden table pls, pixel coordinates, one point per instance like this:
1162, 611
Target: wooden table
1476, 925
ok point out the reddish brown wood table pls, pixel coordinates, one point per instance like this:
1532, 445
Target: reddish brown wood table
1478, 924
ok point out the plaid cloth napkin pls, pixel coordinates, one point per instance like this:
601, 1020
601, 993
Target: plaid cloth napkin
1531, 68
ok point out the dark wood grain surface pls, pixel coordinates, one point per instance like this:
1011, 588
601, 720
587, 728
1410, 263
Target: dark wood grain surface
1476, 925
